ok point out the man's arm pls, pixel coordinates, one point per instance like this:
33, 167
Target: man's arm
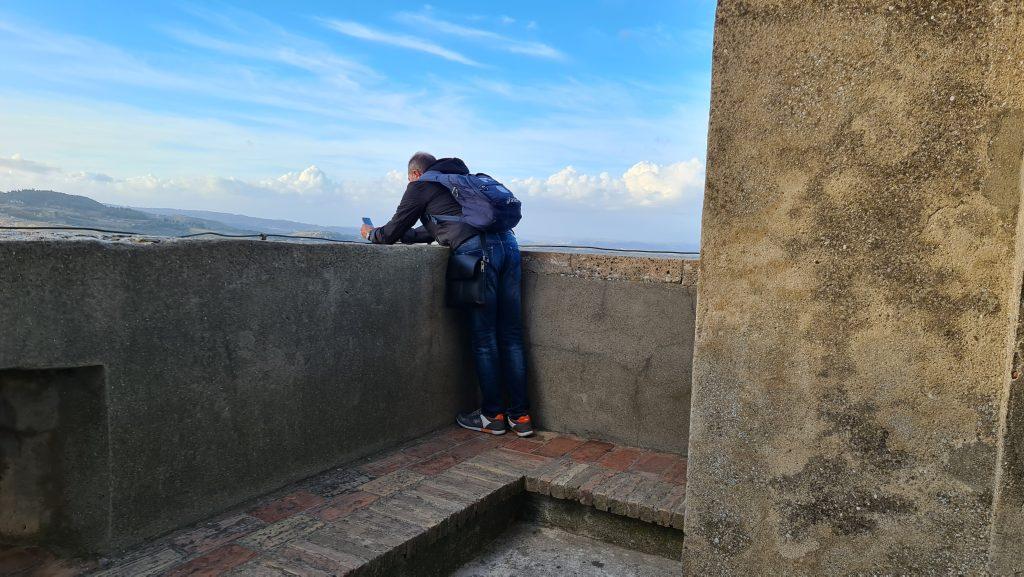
413, 204
417, 235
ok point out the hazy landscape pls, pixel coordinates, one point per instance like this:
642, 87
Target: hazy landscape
41, 208
37, 208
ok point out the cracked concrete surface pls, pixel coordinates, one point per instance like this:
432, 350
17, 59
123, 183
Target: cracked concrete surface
528, 549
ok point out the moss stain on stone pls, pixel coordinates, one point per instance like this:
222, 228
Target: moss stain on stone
838, 496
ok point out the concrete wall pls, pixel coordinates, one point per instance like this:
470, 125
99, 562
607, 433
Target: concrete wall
859, 289
233, 368
197, 374
610, 342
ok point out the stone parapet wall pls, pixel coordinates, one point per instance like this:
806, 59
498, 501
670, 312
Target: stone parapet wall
610, 344
220, 370
231, 367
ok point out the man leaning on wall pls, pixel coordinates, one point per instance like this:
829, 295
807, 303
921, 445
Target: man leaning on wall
474, 216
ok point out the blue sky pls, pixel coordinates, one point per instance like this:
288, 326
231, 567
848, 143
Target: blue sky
595, 113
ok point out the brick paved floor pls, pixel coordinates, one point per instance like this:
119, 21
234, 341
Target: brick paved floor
339, 520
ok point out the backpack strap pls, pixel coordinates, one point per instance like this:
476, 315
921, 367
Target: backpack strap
444, 218
442, 179
435, 176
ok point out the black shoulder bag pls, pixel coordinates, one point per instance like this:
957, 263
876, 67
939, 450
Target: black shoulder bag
466, 285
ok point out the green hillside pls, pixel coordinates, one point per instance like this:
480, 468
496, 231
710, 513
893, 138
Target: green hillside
48, 208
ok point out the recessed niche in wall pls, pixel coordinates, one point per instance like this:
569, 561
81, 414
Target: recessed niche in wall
53, 457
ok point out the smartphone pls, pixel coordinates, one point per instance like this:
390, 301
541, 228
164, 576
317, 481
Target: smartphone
367, 221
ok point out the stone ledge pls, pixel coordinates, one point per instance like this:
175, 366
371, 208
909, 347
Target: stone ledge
613, 267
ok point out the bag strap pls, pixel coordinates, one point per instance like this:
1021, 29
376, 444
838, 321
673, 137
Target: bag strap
444, 217
484, 256
439, 178
432, 175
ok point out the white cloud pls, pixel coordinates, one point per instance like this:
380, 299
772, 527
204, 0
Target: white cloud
314, 183
18, 164
495, 40
645, 184
22, 173
288, 50
357, 30
308, 195
310, 181
648, 183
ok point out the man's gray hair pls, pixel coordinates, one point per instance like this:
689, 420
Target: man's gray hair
421, 161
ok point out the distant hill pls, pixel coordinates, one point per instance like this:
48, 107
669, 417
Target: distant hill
268, 225
50, 208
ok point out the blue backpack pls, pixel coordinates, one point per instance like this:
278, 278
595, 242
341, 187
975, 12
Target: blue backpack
486, 203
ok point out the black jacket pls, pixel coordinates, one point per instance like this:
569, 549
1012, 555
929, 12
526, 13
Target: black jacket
420, 200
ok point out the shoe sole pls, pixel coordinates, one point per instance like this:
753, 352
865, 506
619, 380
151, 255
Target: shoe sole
481, 430
526, 434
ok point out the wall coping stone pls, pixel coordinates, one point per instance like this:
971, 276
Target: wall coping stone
647, 269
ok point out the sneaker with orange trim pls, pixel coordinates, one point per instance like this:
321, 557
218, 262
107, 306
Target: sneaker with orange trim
521, 425
476, 421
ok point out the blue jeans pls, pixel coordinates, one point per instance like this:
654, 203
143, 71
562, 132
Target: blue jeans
497, 326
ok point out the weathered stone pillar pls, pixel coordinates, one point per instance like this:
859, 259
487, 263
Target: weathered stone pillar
859, 288
1008, 524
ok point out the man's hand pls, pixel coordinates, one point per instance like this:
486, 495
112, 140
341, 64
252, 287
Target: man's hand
365, 231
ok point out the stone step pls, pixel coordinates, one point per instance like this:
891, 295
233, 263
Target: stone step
445, 493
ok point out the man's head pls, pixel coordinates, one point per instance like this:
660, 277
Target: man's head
419, 163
